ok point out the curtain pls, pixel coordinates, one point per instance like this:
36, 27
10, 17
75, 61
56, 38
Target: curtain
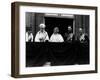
37, 54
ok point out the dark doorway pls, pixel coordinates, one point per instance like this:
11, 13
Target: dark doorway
62, 23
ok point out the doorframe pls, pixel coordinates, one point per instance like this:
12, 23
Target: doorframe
58, 15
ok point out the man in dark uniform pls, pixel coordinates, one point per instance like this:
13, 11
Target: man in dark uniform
70, 46
69, 36
83, 38
83, 47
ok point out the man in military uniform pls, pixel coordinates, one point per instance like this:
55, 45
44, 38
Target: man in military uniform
69, 37
83, 47
82, 38
42, 35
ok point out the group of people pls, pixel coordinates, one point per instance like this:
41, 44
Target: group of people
72, 53
42, 35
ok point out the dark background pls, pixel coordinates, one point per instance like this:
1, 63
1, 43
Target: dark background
61, 23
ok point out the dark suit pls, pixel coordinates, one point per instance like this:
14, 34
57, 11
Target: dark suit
83, 49
69, 37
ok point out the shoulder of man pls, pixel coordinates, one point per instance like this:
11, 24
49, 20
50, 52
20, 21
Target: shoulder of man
60, 35
45, 32
38, 32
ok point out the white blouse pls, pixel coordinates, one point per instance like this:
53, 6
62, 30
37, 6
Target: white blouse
56, 38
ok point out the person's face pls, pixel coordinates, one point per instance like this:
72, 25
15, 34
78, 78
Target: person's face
80, 30
42, 29
56, 30
69, 29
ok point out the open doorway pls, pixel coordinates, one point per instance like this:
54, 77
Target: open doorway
61, 23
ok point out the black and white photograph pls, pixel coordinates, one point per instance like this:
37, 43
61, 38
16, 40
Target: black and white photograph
56, 39
51, 39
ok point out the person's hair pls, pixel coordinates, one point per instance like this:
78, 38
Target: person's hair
56, 28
